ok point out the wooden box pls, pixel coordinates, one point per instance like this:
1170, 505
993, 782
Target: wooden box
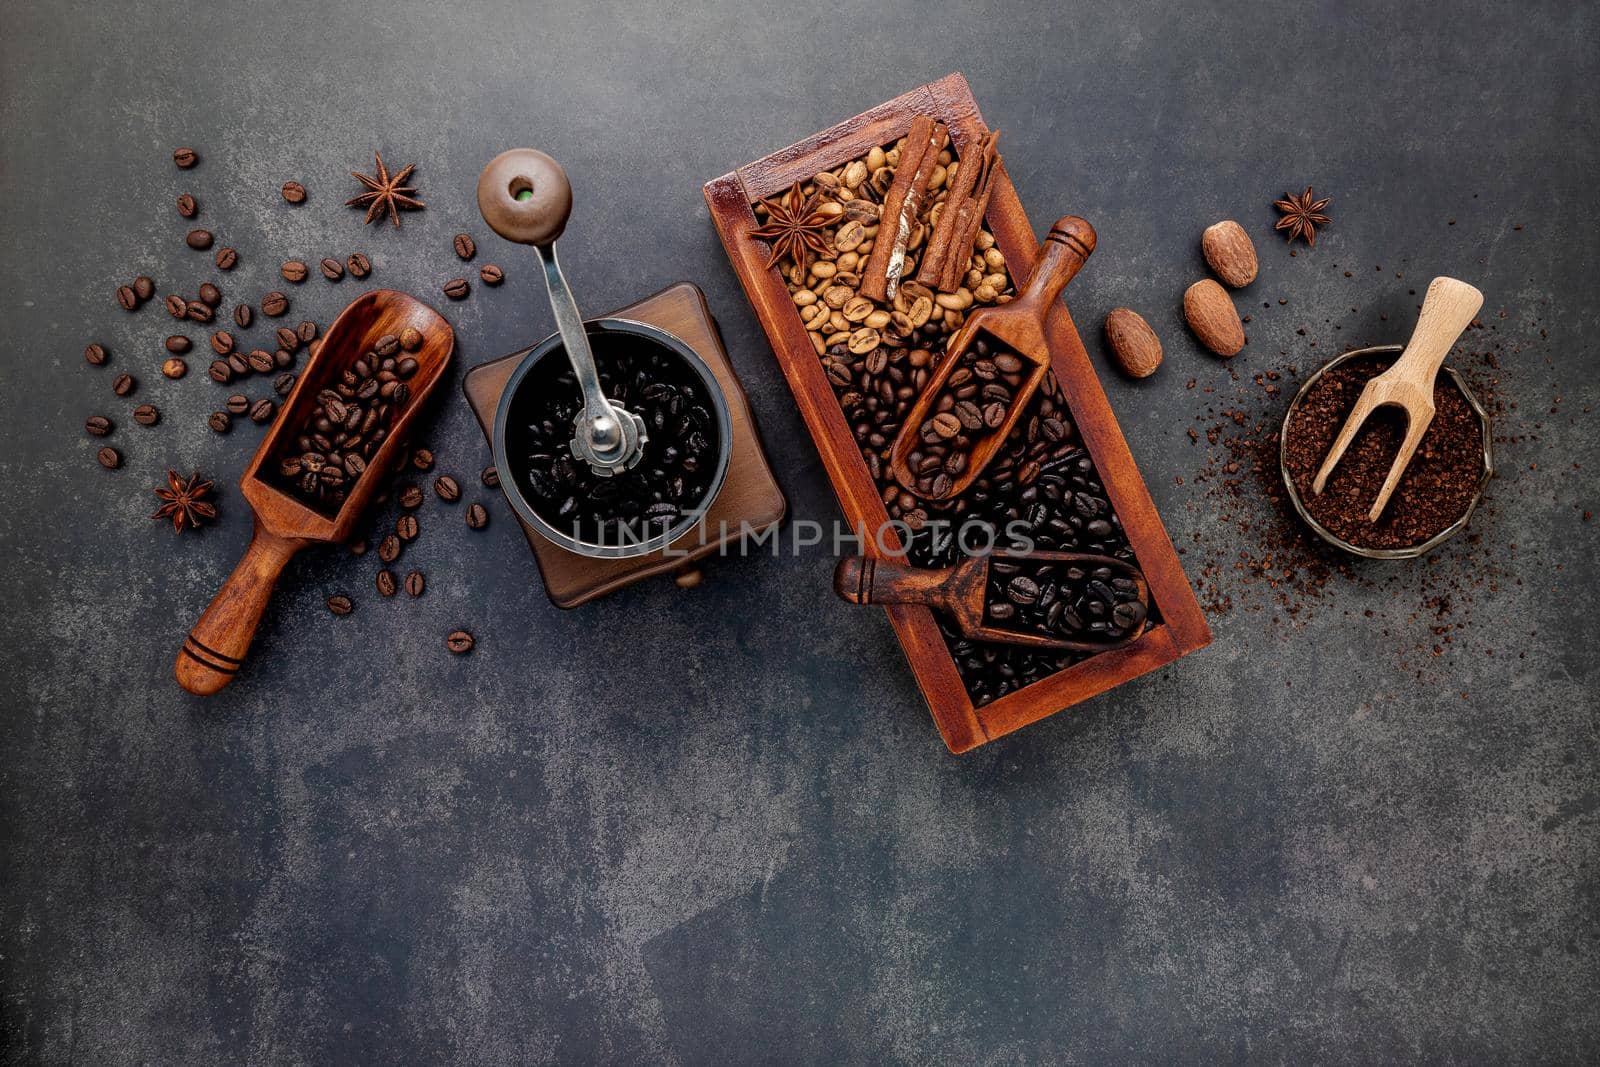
1182, 627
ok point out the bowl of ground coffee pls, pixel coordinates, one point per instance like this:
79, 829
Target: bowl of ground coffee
1440, 488
687, 430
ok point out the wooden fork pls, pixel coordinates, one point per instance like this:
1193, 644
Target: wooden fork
1447, 309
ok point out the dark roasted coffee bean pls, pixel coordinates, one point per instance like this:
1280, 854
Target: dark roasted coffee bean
198, 311
465, 248
124, 384
332, 269
187, 206
94, 353
293, 192
237, 364
185, 157
287, 338
261, 361
340, 604
478, 516
294, 270
109, 458
282, 358
406, 367
415, 583
490, 477
1128, 615
177, 344
146, 415
177, 306
491, 275
220, 371
460, 642
263, 410
274, 304
422, 459
242, 314
389, 548
457, 288
386, 583
144, 287
237, 404
358, 265
127, 298
98, 425
174, 367
305, 333
219, 421
283, 384
210, 295
225, 258
1022, 590
407, 528
410, 338
222, 342
447, 489
199, 240
387, 345
410, 497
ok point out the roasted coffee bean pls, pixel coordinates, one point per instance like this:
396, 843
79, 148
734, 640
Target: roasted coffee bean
185, 157
220, 371
98, 425
407, 528
287, 338
237, 404
199, 240
478, 515
124, 384
225, 258
144, 287
210, 295
263, 410
340, 604
174, 367
219, 421
221, 342
282, 358
332, 269
490, 274
1022, 590
177, 306
127, 298
386, 583
187, 206
294, 270
490, 477
293, 192
358, 265
446, 487
261, 361
283, 384
177, 344
422, 459
465, 248
95, 354
415, 583
146, 415
389, 548
274, 304
410, 497
109, 458
305, 332
198, 312
460, 642
457, 289
237, 363
242, 316
410, 338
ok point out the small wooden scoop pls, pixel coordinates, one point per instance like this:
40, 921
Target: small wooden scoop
1019, 325
215, 648
1447, 309
958, 592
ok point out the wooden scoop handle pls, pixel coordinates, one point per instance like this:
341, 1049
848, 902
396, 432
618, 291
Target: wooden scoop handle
1069, 245
864, 580
215, 648
525, 197
1447, 309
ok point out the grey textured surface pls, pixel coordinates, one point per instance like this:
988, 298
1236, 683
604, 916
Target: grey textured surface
718, 826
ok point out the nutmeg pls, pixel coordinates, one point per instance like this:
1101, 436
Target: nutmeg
1134, 344
1229, 253
1210, 313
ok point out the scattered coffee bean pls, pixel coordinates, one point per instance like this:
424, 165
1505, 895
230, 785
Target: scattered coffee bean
98, 425
177, 344
237, 363
146, 415
293, 270
410, 338
144, 287
447, 489
187, 206
478, 516
274, 304
410, 497
226, 258
237, 404
174, 367
386, 583
263, 410
389, 548
199, 240
198, 311
332, 269
177, 306
465, 247
222, 342
457, 289
95, 354
422, 459
210, 295
283, 384
407, 528
109, 458
491, 274
460, 642
124, 384
358, 265
282, 359
415, 583
304, 334
261, 361
219, 421
220, 371
340, 604
293, 192
242, 316
287, 338
127, 298
490, 477
185, 158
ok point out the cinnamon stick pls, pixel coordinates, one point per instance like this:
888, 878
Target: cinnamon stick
881, 277
969, 217
970, 182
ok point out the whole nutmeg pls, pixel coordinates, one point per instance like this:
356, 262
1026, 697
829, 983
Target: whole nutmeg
1133, 343
1209, 311
1229, 253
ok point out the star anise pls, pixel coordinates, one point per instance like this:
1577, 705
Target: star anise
1302, 215
184, 502
795, 227
385, 193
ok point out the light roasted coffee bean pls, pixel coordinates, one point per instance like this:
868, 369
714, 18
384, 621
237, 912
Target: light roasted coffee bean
294, 270
410, 338
174, 368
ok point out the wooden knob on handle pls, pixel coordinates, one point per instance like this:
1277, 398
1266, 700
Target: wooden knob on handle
215, 648
525, 197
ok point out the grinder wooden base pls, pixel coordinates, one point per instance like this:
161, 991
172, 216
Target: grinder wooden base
750, 495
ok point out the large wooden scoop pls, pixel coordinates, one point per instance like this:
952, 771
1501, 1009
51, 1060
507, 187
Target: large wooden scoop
215, 648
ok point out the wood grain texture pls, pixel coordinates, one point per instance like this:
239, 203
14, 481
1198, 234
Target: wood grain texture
1182, 628
750, 493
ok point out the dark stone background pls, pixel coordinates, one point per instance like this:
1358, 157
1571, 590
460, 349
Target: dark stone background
718, 826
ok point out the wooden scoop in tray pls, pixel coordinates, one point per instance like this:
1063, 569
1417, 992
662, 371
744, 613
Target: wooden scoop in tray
958, 592
286, 523
1019, 326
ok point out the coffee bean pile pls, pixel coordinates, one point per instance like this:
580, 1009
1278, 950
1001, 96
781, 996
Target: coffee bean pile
1041, 485
971, 406
1063, 600
680, 452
